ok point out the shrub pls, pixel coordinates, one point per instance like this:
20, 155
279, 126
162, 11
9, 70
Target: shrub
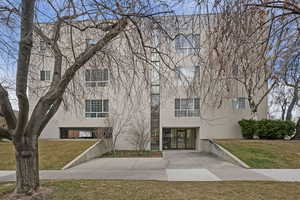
267, 129
248, 128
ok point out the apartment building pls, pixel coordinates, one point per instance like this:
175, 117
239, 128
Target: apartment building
125, 102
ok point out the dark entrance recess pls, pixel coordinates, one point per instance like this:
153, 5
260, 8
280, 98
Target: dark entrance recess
179, 138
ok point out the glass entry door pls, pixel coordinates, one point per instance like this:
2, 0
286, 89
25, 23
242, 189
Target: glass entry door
179, 138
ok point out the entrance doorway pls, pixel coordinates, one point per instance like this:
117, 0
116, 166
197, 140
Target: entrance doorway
179, 138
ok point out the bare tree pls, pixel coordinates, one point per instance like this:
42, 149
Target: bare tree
240, 52
140, 133
119, 121
279, 101
111, 19
291, 78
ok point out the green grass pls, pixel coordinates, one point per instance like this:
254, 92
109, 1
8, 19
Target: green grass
271, 154
129, 153
160, 190
53, 154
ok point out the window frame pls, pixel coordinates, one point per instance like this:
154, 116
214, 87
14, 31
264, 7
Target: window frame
90, 113
237, 104
190, 109
97, 83
183, 77
45, 75
89, 41
186, 45
42, 46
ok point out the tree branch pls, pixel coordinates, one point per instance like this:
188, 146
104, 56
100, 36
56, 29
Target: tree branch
50, 102
6, 109
4, 133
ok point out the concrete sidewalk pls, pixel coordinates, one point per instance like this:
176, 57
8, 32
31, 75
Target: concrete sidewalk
285, 175
173, 166
199, 174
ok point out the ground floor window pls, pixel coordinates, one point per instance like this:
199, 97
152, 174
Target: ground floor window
155, 139
179, 138
86, 133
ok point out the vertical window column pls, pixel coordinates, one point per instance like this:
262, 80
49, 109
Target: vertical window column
155, 98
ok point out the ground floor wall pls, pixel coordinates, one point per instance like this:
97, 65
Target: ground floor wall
126, 139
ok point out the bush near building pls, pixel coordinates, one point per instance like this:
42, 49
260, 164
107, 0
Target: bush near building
267, 129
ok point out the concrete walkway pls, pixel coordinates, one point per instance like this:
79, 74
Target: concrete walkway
174, 166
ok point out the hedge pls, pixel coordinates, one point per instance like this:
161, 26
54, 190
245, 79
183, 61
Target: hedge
267, 129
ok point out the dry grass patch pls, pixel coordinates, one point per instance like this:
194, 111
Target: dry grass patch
158, 190
269, 154
53, 154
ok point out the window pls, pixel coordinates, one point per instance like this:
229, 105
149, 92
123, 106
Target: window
187, 43
96, 77
96, 108
188, 73
45, 75
155, 89
43, 46
189, 107
235, 70
90, 42
239, 103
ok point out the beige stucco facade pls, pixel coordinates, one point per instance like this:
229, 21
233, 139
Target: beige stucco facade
130, 109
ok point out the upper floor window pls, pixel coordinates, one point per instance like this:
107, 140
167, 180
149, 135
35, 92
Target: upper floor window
239, 103
188, 74
89, 42
45, 75
235, 70
96, 108
187, 43
43, 46
188, 107
96, 77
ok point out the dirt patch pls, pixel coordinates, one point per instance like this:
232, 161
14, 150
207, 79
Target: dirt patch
42, 194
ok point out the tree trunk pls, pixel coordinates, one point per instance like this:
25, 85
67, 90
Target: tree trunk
254, 115
297, 136
292, 104
282, 113
27, 166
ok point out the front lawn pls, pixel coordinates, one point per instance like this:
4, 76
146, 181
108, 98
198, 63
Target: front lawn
161, 190
53, 154
269, 154
129, 153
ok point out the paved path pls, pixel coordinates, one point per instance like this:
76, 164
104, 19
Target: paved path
174, 166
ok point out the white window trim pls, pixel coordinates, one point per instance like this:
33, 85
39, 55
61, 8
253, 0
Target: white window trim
193, 112
97, 83
105, 114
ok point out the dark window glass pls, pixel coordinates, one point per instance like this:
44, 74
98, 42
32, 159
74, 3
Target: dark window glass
87, 75
105, 105
45, 75
177, 103
197, 103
